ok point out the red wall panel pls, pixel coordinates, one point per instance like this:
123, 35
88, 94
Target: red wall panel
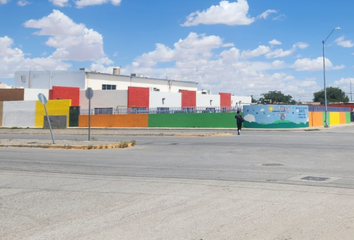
62, 93
51, 94
225, 99
189, 98
138, 97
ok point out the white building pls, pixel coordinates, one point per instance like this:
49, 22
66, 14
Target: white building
85, 78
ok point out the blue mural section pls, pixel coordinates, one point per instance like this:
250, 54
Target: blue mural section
276, 116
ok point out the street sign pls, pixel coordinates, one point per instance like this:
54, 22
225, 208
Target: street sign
42, 98
89, 93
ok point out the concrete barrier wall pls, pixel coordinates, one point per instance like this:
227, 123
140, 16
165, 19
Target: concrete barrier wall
276, 116
18, 114
316, 119
119, 120
54, 107
200, 120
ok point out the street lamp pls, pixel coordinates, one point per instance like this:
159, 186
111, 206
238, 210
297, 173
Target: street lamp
324, 74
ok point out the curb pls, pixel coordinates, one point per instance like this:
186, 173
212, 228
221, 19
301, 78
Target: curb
204, 135
74, 147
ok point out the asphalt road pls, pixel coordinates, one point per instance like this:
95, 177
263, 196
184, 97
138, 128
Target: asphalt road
260, 185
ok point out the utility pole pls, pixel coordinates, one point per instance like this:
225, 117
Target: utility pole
351, 93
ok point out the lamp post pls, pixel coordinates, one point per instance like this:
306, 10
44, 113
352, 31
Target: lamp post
324, 74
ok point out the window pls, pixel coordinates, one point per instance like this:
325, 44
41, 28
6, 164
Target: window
108, 87
103, 111
23, 78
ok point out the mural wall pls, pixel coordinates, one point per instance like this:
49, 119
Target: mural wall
276, 116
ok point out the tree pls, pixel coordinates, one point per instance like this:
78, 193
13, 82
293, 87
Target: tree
276, 97
253, 100
334, 94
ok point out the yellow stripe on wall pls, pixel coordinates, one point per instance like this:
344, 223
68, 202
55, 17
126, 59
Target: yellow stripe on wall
54, 108
334, 118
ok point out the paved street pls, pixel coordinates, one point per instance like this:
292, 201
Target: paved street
260, 185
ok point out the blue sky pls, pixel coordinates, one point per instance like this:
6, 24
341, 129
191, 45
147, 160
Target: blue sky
244, 47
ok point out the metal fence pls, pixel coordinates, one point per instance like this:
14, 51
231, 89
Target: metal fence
162, 110
329, 109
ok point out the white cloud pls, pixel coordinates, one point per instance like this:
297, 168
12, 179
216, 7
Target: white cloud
301, 45
261, 50
307, 64
193, 48
279, 18
344, 43
4, 1
278, 64
280, 53
12, 59
230, 56
269, 53
84, 3
196, 58
274, 42
235, 13
22, 3
266, 13
228, 45
72, 41
102, 65
250, 118
60, 3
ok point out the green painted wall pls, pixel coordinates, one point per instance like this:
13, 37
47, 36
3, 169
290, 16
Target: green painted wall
328, 118
347, 117
200, 120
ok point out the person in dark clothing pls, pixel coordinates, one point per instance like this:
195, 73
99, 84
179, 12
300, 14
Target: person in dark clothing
239, 121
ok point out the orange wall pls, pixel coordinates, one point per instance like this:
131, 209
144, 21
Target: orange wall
119, 120
315, 119
342, 118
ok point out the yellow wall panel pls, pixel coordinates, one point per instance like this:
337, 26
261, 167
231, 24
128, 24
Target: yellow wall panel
334, 118
54, 108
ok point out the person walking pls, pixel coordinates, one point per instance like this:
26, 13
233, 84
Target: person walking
239, 121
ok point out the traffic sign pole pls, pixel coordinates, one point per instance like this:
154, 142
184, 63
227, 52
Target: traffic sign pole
89, 95
89, 121
43, 100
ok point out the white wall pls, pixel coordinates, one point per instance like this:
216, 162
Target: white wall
19, 114
83, 80
95, 81
105, 99
32, 94
245, 100
172, 100
48, 79
203, 100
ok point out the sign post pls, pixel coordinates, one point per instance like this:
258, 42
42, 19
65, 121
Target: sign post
89, 95
43, 100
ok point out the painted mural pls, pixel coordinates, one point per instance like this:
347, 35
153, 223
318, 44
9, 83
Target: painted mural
276, 116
